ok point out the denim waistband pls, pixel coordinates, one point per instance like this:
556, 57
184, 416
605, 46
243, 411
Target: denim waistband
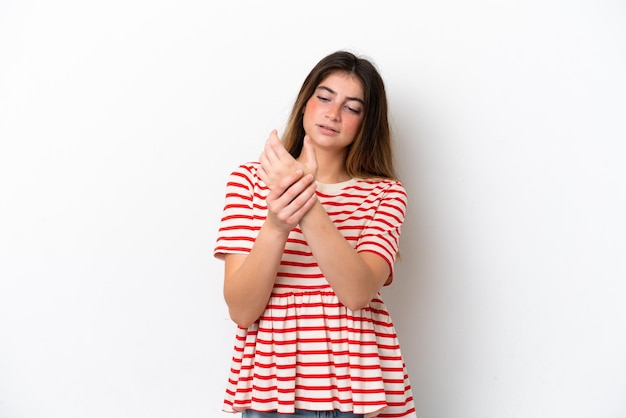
301, 413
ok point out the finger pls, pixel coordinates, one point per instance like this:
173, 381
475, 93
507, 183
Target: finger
292, 191
264, 160
262, 174
284, 184
269, 151
265, 168
301, 204
278, 148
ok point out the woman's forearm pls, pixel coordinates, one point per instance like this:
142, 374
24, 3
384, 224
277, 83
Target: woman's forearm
355, 278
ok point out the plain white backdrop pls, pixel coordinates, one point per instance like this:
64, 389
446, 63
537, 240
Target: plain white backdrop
121, 120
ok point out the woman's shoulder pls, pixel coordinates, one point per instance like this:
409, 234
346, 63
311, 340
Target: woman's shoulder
388, 189
382, 183
247, 167
245, 173
248, 170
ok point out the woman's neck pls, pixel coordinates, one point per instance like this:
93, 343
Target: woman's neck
331, 167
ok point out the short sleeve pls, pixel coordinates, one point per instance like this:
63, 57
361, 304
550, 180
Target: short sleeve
236, 232
382, 234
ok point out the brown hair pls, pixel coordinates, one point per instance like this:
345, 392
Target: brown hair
370, 154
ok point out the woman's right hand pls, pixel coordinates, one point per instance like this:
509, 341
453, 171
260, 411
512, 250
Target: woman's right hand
290, 199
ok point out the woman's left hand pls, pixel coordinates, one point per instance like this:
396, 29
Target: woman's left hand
277, 162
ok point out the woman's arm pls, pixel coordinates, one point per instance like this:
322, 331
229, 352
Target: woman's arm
355, 277
249, 278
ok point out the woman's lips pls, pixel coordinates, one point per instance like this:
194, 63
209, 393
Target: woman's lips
327, 130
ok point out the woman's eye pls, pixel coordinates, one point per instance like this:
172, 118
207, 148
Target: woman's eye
323, 99
353, 110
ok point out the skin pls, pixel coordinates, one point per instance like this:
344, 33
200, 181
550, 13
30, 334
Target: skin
332, 118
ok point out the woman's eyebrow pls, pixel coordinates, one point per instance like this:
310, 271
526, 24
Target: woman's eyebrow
328, 89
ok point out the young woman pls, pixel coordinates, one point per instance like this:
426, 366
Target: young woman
309, 235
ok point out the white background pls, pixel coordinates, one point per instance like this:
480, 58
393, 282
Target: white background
121, 120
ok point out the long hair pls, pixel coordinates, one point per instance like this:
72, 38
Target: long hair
370, 153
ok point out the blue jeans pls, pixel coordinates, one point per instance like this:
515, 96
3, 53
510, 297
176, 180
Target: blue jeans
300, 413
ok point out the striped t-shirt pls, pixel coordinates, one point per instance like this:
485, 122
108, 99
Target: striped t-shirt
307, 350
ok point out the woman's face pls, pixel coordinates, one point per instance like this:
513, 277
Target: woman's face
334, 113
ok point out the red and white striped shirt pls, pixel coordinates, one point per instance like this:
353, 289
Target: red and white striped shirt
307, 350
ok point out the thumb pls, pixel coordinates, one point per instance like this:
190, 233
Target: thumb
308, 157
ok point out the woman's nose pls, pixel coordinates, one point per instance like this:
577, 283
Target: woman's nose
334, 111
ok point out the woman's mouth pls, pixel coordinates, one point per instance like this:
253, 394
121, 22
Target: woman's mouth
327, 130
